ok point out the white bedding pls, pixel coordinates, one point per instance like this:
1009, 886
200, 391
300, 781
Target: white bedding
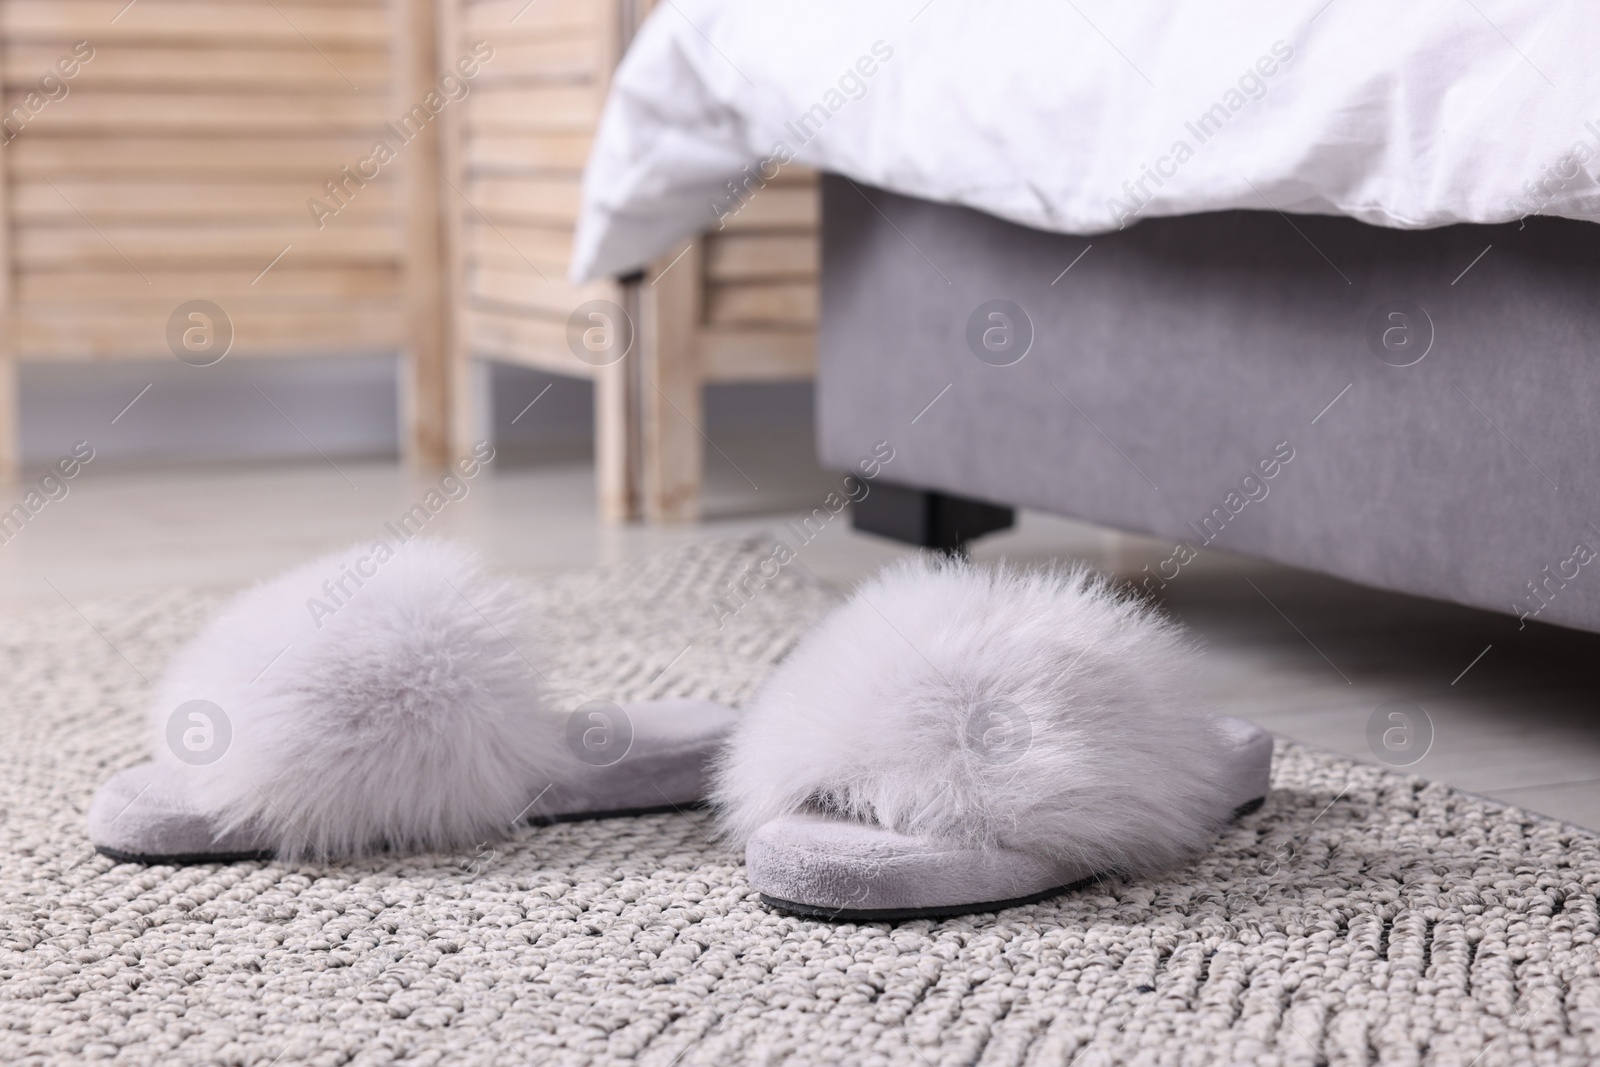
1052, 114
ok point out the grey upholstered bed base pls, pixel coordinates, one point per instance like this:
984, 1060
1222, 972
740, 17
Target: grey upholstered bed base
1232, 380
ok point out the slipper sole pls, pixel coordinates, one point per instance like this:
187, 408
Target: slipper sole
824, 867
895, 915
147, 814
189, 859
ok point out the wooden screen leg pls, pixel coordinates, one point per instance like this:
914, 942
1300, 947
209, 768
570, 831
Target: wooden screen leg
615, 441
424, 406
471, 413
10, 425
671, 391
425, 394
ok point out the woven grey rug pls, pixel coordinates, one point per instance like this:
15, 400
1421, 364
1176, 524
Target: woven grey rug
1360, 917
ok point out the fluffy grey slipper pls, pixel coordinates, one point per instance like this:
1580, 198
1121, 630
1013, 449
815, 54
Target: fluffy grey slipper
383, 699
957, 739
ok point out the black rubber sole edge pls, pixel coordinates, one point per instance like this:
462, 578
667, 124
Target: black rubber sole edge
189, 859
182, 859
893, 915
617, 813
1247, 808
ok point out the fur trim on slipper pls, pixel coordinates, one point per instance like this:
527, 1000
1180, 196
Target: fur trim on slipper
989, 707
370, 698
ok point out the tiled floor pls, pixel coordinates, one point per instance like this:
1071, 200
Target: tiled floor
1312, 658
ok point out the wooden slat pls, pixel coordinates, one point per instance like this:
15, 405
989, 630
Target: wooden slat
783, 304
518, 247
48, 333
778, 207
556, 108
554, 296
555, 59
112, 201
758, 256
752, 355
523, 339
490, 151
205, 69
796, 177
255, 21
309, 284
499, 20
549, 200
190, 157
228, 113
241, 245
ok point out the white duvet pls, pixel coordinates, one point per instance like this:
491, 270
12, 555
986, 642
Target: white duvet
1083, 116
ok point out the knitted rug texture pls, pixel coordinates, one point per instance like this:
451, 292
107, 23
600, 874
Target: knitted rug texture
1359, 917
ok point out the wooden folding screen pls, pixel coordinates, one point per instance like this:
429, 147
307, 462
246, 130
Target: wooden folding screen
739, 305
179, 162
227, 152
514, 161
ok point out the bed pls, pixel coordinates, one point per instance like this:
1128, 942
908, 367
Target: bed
1212, 380
1266, 285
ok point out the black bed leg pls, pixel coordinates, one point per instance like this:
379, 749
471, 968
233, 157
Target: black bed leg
926, 518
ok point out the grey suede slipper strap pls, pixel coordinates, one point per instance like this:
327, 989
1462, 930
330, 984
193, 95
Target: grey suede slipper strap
825, 867
654, 758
